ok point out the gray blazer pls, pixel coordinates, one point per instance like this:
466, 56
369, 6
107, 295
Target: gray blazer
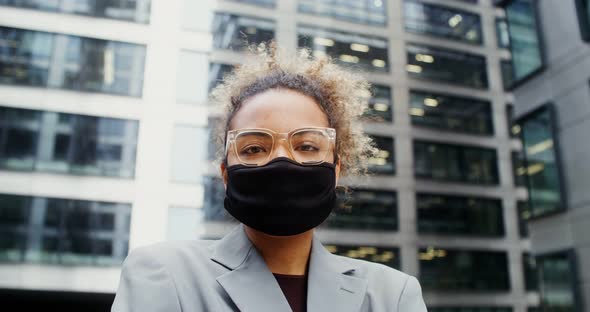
230, 275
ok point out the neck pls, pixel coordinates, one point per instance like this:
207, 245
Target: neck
283, 254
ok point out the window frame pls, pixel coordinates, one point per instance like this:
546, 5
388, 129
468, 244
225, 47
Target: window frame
572, 258
542, 53
562, 205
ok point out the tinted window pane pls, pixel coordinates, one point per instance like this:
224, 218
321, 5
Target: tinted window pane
524, 213
385, 255
443, 22
25, 56
365, 209
456, 215
358, 51
518, 168
525, 45
216, 73
447, 66
583, 9
76, 144
557, 282
213, 209
72, 232
126, 10
452, 113
384, 161
265, 3
455, 163
75, 63
372, 12
531, 279
507, 75
461, 270
541, 164
235, 32
380, 104
502, 35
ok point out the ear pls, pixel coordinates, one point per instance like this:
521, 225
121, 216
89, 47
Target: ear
223, 170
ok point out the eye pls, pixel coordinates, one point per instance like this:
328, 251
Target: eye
307, 147
253, 149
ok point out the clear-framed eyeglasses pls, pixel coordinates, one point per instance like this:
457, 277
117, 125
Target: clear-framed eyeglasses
255, 146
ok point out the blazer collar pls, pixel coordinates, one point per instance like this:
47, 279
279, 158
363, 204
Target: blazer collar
252, 286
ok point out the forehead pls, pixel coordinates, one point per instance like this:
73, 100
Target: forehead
280, 110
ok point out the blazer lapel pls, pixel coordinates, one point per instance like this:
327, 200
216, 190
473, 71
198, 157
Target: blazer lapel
249, 283
331, 285
252, 286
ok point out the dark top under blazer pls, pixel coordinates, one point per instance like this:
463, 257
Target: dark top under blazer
230, 275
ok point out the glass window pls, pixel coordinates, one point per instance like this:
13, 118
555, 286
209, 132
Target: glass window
518, 168
384, 255
502, 35
513, 126
371, 12
447, 66
354, 50
461, 270
188, 161
455, 163
83, 64
542, 168
524, 213
365, 209
531, 279
453, 113
525, 44
126, 10
63, 231
216, 73
458, 215
583, 8
74, 144
557, 281
507, 78
469, 309
235, 32
380, 104
443, 22
264, 3
191, 77
384, 161
213, 209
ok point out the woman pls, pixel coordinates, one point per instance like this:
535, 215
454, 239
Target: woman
290, 130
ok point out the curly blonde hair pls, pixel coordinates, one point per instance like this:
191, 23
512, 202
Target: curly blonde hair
341, 93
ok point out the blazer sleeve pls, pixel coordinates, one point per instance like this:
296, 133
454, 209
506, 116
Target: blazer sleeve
145, 285
411, 298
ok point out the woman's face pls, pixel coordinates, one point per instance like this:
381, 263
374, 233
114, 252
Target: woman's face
280, 110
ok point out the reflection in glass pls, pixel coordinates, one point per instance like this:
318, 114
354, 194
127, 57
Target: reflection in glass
74, 144
443, 22
518, 168
370, 12
557, 282
384, 255
236, 32
531, 279
41, 59
447, 66
384, 161
502, 35
62, 231
446, 270
507, 75
365, 209
380, 104
459, 215
126, 10
455, 163
349, 49
453, 113
542, 169
525, 44
524, 213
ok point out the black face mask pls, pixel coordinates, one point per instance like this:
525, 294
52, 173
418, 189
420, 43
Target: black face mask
282, 197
